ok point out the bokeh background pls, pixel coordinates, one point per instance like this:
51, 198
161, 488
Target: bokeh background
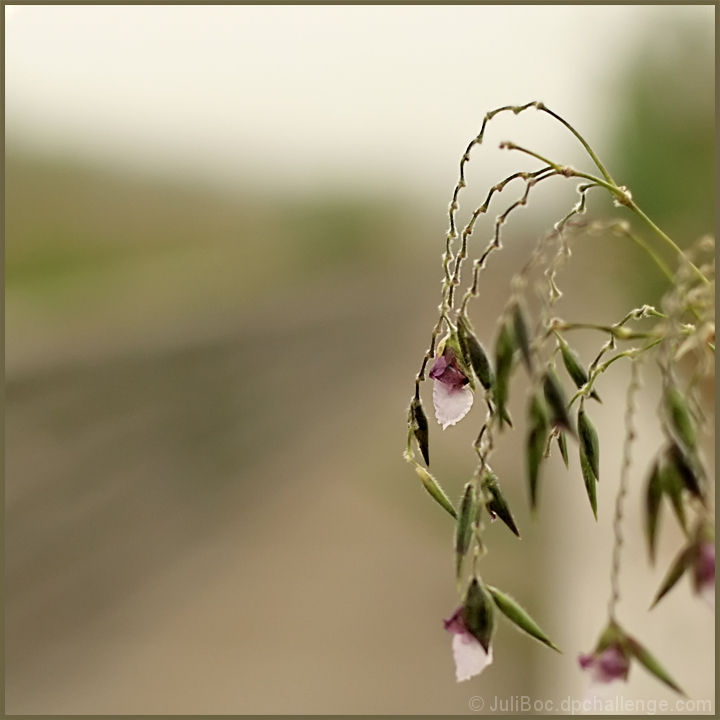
223, 234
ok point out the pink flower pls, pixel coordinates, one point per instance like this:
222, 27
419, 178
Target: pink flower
471, 658
704, 573
451, 395
606, 669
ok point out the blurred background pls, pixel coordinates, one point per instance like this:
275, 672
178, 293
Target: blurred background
223, 236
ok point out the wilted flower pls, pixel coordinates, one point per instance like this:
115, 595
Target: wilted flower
451, 395
471, 658
704, 573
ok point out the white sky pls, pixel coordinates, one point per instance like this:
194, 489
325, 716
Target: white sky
301, 96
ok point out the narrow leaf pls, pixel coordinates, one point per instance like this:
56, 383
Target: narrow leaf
522, 336
497, 505
557, 404
681, 563
504, 352
680, 461
590, 480
436, 492
651, 664
653, 504
680, 417
519, 616
575, 369
562, 444
535, 446
673, 486
420, 428
589, 441
475, 354
464, 525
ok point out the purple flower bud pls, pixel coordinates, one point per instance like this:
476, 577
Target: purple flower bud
705, 573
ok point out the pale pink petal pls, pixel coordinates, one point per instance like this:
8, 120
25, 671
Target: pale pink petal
598, 692
452, 404
707, 593
470, 656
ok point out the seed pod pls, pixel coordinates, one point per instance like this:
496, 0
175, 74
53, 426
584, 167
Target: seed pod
504, 352
680, 417
650, 663
519, 616
562, 444
589, 441
475, 354
420, 428
496, 504
673, 486
653, 504
522, 335
478, 613
436, 492
682, 562
589, 457
684, 466
535, 448
464, 525
555, 397
575, 369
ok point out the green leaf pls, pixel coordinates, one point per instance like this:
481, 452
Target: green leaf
590, 480
679, 460
653, 504
475, 354
651, 664
681, 563
555, 397
420, 428
562, 444
673, 486
436, 492
535, 447
574, 367
464, 525
522, 335
589, 441
504, 353
519, 616
478, 613
496, 503
680, 417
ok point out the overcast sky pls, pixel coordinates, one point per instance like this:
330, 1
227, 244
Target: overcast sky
308, 95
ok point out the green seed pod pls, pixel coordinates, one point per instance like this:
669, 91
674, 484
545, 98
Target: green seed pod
436, 492
680, 417
479, 613
504, 353
535, 447
475, 354
519, 616
682, 562
684, 466
464, 525
673, 486
522, 335
495, 503
557, 404
589, 441
562, 444
653, 504
650, 663
420, 428
575, 369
